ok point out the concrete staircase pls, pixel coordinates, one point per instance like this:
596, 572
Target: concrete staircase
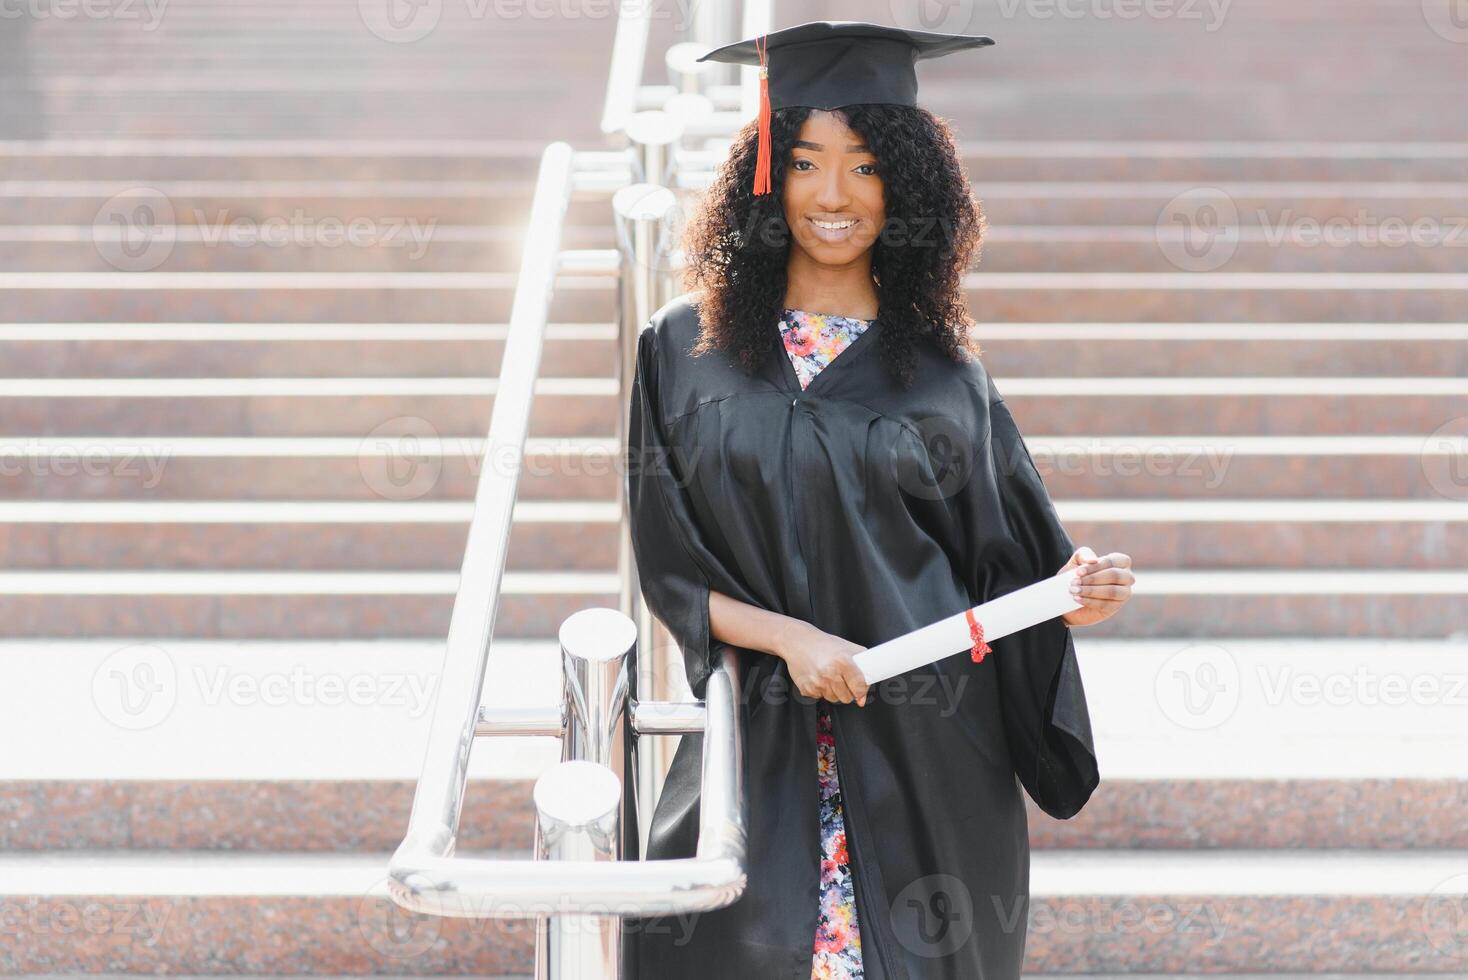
225, 585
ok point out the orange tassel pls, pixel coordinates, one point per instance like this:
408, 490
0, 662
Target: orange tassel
976, 632
762, 165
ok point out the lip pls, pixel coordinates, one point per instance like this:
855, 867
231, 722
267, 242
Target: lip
834, 235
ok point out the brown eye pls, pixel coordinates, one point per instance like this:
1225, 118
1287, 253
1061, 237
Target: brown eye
871, 165
797, 163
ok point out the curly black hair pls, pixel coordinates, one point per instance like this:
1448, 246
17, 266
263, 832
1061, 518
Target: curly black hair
737, 245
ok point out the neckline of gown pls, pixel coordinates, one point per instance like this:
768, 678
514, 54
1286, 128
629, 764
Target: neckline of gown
834, 316
788, 376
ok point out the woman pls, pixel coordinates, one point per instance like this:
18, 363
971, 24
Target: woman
819, 462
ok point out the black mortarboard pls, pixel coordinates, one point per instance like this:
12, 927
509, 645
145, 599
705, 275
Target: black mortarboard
828, 64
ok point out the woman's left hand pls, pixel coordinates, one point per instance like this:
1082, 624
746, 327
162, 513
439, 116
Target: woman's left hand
1103, 584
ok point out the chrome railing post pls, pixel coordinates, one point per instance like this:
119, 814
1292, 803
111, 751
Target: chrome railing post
641, 212
579, 802
688, 75
653, 137
713, 25
595, 647
577, 805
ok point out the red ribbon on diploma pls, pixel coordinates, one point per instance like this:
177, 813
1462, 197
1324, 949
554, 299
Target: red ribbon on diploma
1017, 610
976, 633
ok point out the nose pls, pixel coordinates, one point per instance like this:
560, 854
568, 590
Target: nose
833, 196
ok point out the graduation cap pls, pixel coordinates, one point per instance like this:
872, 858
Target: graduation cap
828, 64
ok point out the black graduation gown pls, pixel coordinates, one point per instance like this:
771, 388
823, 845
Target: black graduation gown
838, 505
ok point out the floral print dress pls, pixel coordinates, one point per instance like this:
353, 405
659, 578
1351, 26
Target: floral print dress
813, 340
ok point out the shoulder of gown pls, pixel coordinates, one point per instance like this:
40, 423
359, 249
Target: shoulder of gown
676, 565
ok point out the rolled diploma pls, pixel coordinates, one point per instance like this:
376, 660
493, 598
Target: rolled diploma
1035, 603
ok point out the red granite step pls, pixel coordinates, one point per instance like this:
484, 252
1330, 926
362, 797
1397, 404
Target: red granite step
1169, 912
572, 350
287, 297
566, 537
1220, 350
486, 297
1011, 351
1203, 534
394, 613
243, 815
322, 206
1050, 159
585, 407
261, 914
563, 112
247, 815
1280, 208
1014, 248
390, 246
292, 605
82, 468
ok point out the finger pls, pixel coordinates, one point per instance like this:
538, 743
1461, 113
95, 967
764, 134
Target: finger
1107, 575
810, 686
857, 682
1113, 592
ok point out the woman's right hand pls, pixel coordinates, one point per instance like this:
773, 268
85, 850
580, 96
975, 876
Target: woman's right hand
822, 665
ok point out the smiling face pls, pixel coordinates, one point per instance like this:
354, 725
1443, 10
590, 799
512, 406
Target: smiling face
833, 195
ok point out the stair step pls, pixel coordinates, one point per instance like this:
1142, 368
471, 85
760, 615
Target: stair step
257, 914
1273, 210
1225, 912
338, 814
588, 406
1214, 707
536, 613
487, 297
429, 535
387, 247
1011, 351
1409, 604
1208, 160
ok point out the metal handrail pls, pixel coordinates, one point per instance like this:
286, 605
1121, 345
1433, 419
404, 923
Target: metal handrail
625, 93
629, 53
439, 798
424, 875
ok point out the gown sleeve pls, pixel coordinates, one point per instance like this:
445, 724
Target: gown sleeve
1046, 718
676, 569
